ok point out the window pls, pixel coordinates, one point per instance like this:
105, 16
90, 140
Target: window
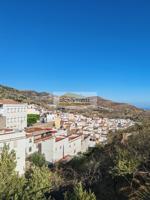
55, 149
30, 141
60, 147
30, 149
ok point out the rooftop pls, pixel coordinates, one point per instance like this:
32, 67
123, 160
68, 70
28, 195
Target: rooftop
59, 138
72, 137
38, 131
6, 131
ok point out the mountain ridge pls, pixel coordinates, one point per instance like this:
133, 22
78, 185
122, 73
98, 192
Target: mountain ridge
45, 98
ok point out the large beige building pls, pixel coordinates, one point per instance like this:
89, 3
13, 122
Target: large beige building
15, 114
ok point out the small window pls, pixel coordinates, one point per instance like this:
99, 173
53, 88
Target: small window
30, 149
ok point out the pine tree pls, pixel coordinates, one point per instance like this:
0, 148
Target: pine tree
10, 183
38, 182
80, 194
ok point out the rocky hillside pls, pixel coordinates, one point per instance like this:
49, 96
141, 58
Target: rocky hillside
27, 96
115, 105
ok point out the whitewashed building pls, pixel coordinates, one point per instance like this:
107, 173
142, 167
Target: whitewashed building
15, 114
16, 140
33, 109
54, 145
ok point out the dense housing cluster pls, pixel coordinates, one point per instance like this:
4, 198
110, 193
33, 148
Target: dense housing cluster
58, 136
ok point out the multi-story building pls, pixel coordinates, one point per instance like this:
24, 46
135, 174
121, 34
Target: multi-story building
16, 140
38, 139
54, 145
15, 114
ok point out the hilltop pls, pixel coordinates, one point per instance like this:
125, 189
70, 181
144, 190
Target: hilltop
72, 95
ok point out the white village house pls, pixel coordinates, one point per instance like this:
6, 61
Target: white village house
16, 140
54, 146
15, 114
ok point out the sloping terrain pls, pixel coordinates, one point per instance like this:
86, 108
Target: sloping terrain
44, 99
28, 96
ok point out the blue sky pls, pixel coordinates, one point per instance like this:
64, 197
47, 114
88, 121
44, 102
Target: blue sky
77, 45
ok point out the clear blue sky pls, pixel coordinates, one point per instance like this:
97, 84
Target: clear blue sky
77, 45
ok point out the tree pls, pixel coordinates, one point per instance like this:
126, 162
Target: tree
38, 159
38, 182
32, 119
10, 182
80, 194
33, 186
125, 163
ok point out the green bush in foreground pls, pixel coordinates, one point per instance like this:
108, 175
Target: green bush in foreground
79, 194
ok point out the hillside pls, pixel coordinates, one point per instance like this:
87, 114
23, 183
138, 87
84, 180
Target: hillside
44, 99
115, 105
27, 96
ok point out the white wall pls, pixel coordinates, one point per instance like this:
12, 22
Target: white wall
74, 146
16, 142
30, 146
47, 148
16, 115
55, 150
60, 149
85, 144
